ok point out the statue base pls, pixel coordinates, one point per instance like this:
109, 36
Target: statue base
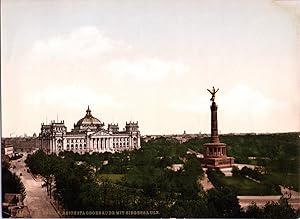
217, 162
215, 156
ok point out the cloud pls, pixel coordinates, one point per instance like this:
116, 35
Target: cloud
87, 50
146, 69
82, 43
242, 98
74, 56
198, 105
71, 96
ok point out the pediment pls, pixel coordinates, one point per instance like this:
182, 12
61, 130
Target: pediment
100, 133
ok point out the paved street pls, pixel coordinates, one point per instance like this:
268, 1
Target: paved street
294, 198
36, 197
206, 184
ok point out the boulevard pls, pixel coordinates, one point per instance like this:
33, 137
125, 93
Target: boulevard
36, 199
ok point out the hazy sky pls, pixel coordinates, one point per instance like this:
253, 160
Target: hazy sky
151, 61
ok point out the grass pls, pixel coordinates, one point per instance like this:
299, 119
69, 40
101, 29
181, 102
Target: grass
285, 179
114, 178
244, 186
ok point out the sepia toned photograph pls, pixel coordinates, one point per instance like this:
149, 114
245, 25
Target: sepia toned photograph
150, 109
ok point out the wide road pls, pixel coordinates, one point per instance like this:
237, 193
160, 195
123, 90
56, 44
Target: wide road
36, 199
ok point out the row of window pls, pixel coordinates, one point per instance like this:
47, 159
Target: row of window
75, 140
121, 144
58, 129
76, 146
83, 140
120, 139
80, 147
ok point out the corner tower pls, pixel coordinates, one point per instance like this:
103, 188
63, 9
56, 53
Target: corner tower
132, 128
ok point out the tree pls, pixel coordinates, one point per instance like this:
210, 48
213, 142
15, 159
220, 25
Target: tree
11, 183
194, 208
253, 211
282, 209
223, 203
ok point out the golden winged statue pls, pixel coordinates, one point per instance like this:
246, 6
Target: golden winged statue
213, 93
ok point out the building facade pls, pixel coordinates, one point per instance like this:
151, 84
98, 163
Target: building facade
7, 149
23, 144
88, 136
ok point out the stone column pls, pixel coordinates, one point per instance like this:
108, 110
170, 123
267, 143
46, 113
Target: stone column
87, 144
50, 145
111, 143
53, 145
130, 142
214, 123
138, 141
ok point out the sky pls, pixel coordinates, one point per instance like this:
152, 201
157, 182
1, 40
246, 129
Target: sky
151, 61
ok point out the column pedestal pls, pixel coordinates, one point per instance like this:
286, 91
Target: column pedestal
215, 155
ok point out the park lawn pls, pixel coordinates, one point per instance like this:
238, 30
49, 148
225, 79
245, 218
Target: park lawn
244, 186
114, 178
285, 179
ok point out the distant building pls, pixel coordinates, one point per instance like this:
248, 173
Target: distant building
181, 138
89, 135
22, 144
7, 149
175, 167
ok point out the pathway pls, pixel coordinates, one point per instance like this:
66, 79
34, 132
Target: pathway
36, 199
206, 184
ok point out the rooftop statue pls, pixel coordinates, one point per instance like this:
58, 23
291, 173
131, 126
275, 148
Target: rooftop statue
213, 93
